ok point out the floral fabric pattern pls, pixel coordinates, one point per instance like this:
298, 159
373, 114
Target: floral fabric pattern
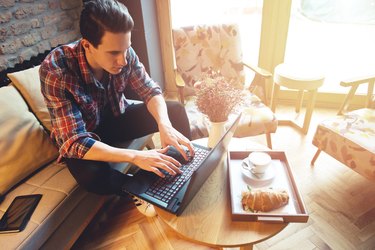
199, 49
350, 138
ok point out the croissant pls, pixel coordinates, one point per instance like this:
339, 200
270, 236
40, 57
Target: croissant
264, 199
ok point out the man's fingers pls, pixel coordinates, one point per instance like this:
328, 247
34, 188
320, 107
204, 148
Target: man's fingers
171, 161
188, 144
182, 151
169, 169
190, 147
157, 171
163, 150
168, 158
168, 164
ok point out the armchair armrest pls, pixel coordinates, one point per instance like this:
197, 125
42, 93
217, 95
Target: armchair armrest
353, 83
357, 81
262, 72
180, 84
259, 81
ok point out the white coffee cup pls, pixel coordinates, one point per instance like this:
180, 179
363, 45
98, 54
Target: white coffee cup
257, 162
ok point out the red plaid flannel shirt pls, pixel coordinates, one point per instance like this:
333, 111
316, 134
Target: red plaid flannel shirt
76, 100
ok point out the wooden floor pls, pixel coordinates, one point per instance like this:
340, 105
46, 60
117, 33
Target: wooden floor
340, 202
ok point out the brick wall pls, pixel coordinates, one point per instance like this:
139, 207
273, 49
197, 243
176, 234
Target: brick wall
30, 27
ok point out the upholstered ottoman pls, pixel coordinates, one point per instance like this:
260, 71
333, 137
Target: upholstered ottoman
350, 138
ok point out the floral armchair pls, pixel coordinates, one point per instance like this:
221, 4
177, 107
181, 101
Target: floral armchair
349, 137
200, 49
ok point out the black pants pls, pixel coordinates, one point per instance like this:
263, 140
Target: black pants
98, 177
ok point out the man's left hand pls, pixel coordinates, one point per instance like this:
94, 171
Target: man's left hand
170, 136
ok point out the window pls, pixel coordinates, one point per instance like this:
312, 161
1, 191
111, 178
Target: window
336, 35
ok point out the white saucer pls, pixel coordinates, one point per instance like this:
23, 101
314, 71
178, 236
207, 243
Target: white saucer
267, 176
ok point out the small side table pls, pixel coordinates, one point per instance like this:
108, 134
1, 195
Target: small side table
207, 219
301, 79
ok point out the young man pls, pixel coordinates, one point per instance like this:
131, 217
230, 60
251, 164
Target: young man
83, 84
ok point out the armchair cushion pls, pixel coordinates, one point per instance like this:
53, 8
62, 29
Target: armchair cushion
350, 138
256, 119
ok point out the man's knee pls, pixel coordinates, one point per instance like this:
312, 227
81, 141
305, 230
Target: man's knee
92, 176
174, 106
178, 117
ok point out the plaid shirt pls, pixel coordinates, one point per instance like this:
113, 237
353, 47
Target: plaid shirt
76, 100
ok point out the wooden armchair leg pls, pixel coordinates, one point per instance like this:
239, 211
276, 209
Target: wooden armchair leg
269, 142
315, 157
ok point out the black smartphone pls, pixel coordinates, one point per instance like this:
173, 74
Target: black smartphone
18, 213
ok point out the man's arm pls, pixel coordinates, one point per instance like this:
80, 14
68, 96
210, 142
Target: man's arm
150, 160
150, 93
168, 135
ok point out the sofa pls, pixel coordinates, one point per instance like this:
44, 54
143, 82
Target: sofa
28, 165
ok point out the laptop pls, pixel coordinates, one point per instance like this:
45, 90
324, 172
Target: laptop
174, 193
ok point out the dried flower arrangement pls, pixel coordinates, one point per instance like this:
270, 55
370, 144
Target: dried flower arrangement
217, 96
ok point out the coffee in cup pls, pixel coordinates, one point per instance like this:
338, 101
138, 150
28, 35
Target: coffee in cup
257, 162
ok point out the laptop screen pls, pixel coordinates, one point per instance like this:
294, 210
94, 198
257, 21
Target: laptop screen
208, 166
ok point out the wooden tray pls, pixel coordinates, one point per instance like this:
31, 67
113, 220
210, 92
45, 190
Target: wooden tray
239, 180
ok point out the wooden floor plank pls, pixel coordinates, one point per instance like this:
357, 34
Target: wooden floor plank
298, 240
332, 236
319, 243
368, 232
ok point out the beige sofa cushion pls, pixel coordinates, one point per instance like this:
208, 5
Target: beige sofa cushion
28, 83
24, 144
59, 197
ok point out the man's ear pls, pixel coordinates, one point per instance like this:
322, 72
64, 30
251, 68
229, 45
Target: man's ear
86, 45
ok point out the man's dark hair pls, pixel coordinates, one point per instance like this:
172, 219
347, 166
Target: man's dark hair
98, 16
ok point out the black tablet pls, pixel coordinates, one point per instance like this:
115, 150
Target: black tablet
18, 213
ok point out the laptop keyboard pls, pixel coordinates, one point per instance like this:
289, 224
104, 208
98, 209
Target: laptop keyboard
165, 188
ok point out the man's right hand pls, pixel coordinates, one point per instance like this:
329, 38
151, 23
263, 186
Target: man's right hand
156, 159
151, 160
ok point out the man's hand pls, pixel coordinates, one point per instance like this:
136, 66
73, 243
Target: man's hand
170, 136
151, 160
154, 160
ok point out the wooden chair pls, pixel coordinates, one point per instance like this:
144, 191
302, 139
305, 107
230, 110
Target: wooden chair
349, 137
199, 49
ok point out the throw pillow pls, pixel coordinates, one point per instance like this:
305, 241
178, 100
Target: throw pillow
28, 84
24, 144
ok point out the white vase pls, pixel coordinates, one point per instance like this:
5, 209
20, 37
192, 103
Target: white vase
217, 130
